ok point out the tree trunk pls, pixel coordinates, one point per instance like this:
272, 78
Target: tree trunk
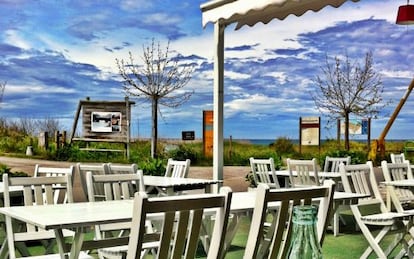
347, 131
154, 130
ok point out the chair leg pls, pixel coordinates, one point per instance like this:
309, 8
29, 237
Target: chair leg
374, 243
336, 224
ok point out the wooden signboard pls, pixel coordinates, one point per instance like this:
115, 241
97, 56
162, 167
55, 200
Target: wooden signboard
310, 132
208, 133
104, 121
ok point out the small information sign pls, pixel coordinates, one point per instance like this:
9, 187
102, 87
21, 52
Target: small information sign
188, 135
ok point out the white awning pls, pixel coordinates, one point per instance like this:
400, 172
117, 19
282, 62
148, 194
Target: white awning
250, 12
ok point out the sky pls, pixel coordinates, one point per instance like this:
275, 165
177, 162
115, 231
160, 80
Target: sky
54, 53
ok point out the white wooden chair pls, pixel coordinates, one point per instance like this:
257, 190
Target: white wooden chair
263, 171
177, 168
332, 165
37, 191
183, 219
306, 172
127, 169
116, 187
397, 158
401, 198
100, 169
371, 214
276, 243
56, 171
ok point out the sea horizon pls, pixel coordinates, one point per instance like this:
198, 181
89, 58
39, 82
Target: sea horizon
296, 141
267, 141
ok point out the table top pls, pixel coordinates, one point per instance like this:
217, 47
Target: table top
162, 181
323, 174
82, 214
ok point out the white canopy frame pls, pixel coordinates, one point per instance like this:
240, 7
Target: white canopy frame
243, 12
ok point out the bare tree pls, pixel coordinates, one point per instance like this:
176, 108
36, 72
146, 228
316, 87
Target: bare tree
48, 124
158, 80
346, 88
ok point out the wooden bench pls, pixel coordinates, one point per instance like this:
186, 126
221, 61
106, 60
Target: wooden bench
87, 140
102, 149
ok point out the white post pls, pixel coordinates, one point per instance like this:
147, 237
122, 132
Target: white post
218, 104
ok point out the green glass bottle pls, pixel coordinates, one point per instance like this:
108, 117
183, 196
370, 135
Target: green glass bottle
304, 242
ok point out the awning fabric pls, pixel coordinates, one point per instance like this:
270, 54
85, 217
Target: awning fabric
250, 12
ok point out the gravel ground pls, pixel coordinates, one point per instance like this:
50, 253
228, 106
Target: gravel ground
233, 175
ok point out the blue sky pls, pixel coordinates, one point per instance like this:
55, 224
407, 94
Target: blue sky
55, 53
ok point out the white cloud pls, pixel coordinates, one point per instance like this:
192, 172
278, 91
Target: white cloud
279, 76
33, 89
15, 38
235, 75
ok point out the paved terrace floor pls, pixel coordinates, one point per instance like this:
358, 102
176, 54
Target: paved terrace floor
234, 176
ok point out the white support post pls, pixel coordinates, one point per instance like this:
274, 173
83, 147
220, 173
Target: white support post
218, 140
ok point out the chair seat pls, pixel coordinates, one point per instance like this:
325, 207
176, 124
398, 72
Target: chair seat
384, 218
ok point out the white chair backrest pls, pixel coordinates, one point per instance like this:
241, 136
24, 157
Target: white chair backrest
56, 171
278, 245
332, 163
53, 171
306, 172
360, 178
397, 158
37, 191
116, 186
176, 168
180, 236
122, 168
95, 169
263, 171
398, 171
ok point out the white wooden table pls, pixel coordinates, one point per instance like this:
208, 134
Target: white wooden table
81, 216
171, 185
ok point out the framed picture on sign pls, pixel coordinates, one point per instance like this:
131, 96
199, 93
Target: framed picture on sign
106, 121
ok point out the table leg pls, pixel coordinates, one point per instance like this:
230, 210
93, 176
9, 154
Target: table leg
232, 227
76, 243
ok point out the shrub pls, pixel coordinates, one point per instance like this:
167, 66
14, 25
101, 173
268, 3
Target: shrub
153, 167
4, 169
183, 152
284, 146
